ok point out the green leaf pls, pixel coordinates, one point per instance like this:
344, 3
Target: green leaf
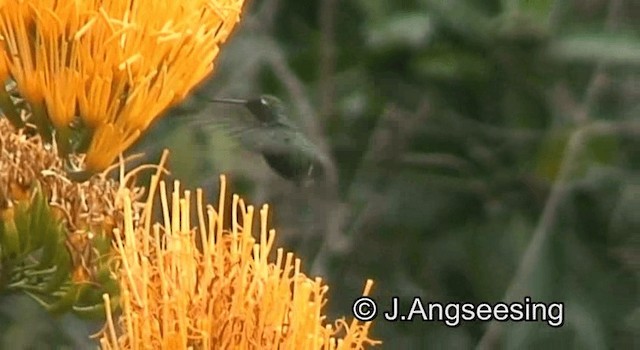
409, 29
447, 64
620, 49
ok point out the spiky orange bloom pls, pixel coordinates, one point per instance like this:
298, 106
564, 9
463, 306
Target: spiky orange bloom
117, 65
209, 288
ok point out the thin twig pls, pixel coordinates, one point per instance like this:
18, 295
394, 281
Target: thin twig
388, 140
585, 129
326, 68
547, 220
267, 14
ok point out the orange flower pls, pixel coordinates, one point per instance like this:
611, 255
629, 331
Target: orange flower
113, 66
210, 288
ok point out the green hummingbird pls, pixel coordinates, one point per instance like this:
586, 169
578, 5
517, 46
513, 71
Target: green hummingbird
271, 133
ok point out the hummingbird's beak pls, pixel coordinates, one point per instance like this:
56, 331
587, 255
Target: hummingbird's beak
234, 101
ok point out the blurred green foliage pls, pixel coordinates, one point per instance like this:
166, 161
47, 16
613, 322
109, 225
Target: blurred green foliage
465, 135
460, 130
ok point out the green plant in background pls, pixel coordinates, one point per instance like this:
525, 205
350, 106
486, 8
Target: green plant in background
483, 150
476, 150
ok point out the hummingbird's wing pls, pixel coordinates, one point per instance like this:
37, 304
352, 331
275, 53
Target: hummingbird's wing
231, 120
281, 137
239, 124
275, 140
255, 136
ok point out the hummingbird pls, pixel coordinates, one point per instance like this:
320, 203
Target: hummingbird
271, 133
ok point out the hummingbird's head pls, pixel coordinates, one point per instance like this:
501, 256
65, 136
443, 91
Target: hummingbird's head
267, 108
